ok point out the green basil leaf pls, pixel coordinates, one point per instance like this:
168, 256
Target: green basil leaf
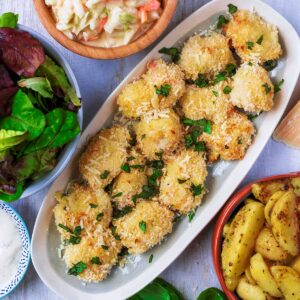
37, 84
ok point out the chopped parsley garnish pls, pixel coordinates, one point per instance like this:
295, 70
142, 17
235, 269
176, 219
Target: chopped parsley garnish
250, 45
104, 247
230, 69
205, 125
240, 140
143, 226
259, 40
141, 167
221, 21
77, 230
96, 261
181, 181
220, 77
277, 86
191, 215
119, 213
173, 52
134, 199
200, 147
126, 168
176, 218
74, 240
269, 65
99, 216
252, 117
113, 231
196, 189
104, 174
123, 252
65, 228
164, 90
227, 89
93, 205
77, 268
130, 158
150, 258
117, 195
267, 88
250, 63
201, 81
215, 93
232, 8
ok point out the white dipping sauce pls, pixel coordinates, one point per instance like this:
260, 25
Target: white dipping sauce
10, 249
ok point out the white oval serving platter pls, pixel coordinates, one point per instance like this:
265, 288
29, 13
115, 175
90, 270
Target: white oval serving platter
124, 283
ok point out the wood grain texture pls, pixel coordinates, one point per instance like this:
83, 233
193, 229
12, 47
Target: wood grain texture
193, 270
45, 15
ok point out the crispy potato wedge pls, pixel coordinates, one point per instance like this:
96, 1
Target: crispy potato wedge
288, 281
285, 223
270, 204
296, 185
239, 243
248, 291
296, 264
261, 274
268, 247
249, 276
264, 190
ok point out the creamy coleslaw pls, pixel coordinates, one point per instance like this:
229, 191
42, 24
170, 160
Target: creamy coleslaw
104, 23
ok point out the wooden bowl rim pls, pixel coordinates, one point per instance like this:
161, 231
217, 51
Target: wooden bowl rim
225, 214
139, 44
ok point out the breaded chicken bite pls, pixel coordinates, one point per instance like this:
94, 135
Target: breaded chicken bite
145, 226
98, 253
137, 98
210, 103
230, 139
81, 206
182, 185
104, 156
158, 131
167, 80
252, 89
205, 55
131, 181
252, 37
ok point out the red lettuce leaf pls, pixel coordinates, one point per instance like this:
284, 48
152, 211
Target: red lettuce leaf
20, 52
5, 80
6, 96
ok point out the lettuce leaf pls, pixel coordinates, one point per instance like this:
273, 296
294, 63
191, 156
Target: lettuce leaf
9, 19
11, 138
37, 84
6, 96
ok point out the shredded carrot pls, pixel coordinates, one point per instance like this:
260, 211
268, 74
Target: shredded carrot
101, 24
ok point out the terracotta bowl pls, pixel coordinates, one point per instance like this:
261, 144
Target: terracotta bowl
46, 17
223, 218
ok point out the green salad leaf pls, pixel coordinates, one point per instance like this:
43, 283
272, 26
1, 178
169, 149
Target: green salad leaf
58, 80
9, 19
12, 197
211, 294
11, 138
38, 84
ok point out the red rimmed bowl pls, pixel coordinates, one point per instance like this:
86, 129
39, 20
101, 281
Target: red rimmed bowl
228, 210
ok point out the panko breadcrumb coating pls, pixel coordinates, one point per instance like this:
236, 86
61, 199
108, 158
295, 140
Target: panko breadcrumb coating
145, 226
159, 74
205, 55
183, 174
158, 131
137, 98
80, 207
98, 251
129, 184
230, 139
252, 89
104, 156
210, 103
252, 37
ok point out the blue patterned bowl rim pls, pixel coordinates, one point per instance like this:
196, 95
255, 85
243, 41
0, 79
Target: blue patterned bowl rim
25, 254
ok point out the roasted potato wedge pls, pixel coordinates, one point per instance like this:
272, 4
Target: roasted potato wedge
240, 241
261, 274
288, 281
296, 185
296, 264
248, 291
249, 276
285, 223
270, 204
264, 190
268, 247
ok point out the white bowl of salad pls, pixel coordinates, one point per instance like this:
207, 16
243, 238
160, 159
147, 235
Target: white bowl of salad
40, 111
105, 29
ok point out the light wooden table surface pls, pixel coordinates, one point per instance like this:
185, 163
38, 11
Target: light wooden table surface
193, 270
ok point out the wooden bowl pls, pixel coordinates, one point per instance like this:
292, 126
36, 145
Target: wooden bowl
223, 218
46, 17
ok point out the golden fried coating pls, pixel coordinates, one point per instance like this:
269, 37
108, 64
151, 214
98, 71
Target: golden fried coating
210, 103
252, 89
252, 37
145, 226
230, 139
126, 185
205, 55
182, 185
98, 251
160, 74
158, 131
104, 156
82, 206
137, 98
